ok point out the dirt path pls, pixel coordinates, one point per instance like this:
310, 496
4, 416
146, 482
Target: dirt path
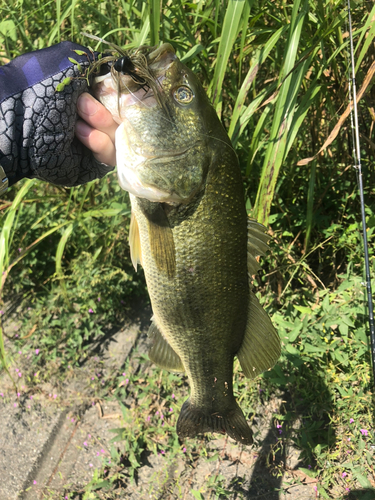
54, 438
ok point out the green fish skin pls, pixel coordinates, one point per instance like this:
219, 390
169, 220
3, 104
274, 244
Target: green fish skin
191, 233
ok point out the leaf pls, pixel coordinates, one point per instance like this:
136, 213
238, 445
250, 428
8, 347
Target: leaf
8, 29
101, 484
363, 481
336, 129
193, 52
106, 212
308, 472
303, 309
291, 349
196, 494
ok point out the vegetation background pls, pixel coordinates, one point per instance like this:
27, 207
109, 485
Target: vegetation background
278, 75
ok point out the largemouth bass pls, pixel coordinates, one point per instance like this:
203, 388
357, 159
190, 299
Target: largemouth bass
190, 231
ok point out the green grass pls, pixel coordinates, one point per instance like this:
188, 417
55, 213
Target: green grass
277, 73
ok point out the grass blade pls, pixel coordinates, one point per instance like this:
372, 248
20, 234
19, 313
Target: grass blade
155, 15
282, 118
228, 36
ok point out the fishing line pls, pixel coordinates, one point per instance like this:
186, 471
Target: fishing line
357, 166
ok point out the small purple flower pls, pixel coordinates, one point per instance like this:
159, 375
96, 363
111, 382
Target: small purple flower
34, 481
351, 420
36, 351
309, 467
1, 312
90, 465
344, 474
98, 299
347, 489
15, 405
20, 374
173, 396
90, 311
364, 432
315, 488
1, 394
170, 409
126, 381
18, 394
20, 250
85, 443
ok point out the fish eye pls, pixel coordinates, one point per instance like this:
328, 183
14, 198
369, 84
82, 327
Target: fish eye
183, 95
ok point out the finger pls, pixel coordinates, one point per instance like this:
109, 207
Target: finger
96, 115
99, 142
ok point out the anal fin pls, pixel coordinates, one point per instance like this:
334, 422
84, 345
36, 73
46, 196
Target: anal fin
161, 353
261, 344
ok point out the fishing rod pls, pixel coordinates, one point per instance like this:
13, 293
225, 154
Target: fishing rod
357, 166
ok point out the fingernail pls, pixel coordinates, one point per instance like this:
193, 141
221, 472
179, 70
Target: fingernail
87, 105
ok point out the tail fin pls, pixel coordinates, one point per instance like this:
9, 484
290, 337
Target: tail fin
193, 421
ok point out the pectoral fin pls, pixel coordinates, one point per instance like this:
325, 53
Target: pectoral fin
161, 353
135, 242
261, 344
161, 241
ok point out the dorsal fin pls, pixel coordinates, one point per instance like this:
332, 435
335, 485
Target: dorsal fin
256, 245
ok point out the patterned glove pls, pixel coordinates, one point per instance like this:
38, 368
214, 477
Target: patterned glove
37, 122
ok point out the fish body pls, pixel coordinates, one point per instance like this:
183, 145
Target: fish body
190, 232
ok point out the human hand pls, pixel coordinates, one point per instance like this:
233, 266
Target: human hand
39, 92
97, 129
